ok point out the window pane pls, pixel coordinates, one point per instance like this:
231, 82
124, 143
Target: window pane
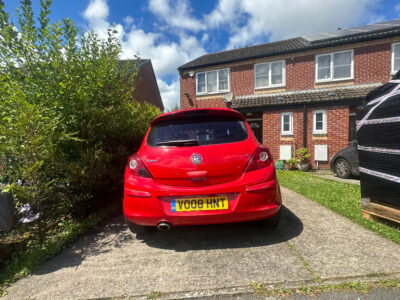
262, 75
342, 72
324, 67
276, 68
286, 123
396, 57
223, 80
396, 64
324, 61
342, 65
324, 73
276, 79
342, 59
201, 83
211, 81
286, 127
319, 121
261, 81
397, 51
276, 72
262, 70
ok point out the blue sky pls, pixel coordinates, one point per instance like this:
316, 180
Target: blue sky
174, 32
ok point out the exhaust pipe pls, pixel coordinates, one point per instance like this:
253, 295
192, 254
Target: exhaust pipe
164, 226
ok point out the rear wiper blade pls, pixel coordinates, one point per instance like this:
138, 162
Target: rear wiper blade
179, 143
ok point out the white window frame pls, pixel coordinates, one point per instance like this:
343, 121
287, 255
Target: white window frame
218, 90
331, 67
270, 85
393, 71
324, 122
290, 114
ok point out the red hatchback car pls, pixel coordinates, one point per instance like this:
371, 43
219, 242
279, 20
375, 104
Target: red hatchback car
200, 166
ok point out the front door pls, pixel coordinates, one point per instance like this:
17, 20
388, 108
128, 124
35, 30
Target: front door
256, 127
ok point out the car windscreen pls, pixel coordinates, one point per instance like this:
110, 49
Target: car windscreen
194, 131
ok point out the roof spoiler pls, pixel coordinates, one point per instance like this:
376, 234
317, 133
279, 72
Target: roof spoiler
198, 112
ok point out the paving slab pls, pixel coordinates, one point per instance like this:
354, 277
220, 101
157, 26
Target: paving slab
205, 260
335, 247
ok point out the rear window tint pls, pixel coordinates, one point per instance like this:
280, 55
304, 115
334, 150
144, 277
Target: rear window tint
193, 131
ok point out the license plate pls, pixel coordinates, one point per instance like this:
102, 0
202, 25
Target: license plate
199, 204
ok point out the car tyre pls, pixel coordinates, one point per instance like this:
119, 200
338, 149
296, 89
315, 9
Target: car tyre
272, 222
138, 229
342, 168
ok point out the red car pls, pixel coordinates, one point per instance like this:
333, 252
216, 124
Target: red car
200, 166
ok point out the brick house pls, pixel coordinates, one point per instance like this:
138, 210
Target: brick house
300, 92
146, 86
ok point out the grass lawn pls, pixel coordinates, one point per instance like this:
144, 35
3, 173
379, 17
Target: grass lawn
342, 198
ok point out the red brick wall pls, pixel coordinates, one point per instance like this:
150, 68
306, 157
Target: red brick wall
242, 79
147, 87
300, 72
336, 137
272, 130
372, 63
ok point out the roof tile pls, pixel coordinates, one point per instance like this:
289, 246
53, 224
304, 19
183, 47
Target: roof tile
318, 95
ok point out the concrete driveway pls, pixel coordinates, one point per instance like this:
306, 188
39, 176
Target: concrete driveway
311, 243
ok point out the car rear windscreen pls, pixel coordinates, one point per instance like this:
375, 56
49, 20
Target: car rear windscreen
194, 131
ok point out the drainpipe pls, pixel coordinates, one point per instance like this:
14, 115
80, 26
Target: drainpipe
304, 126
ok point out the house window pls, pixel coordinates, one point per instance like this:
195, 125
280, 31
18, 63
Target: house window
269, 74
216, 81
319, 122
287, 123
395, 57
334, 66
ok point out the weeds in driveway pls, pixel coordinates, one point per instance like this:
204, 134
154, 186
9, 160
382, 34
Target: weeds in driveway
342, 198
352, 286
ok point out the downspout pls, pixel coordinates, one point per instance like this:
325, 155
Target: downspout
304, 126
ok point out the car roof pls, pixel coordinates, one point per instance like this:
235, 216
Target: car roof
198, 112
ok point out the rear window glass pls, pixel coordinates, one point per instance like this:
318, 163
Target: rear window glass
195, 131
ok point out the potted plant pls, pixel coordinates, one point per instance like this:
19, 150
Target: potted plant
291, 164
302, 157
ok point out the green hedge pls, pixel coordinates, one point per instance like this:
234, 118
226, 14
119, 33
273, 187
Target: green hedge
68, 120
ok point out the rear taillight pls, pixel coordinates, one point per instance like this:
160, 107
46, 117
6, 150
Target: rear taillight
136, 167
261, 159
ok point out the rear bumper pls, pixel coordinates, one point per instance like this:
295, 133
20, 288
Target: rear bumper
253, 196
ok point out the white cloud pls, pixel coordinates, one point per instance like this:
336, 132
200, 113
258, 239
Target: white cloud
284, 19
96, 14
226, 12
170, 93
128, 20
397, 8
178, 16
166, 57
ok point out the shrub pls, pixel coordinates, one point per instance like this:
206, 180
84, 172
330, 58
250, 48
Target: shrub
67, 118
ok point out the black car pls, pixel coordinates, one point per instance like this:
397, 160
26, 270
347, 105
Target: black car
345, 162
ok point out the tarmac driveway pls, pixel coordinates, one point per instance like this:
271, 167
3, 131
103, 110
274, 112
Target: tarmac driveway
311, 243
